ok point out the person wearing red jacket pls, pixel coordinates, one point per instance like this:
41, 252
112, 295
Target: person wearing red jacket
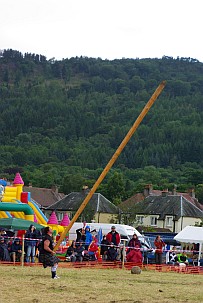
135, 255
93, 250
113, 236
134, 242
159, 245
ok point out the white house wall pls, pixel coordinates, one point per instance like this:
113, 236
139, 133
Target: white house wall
189, 221
179, 225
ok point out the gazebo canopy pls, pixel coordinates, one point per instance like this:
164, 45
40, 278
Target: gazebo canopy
191, 234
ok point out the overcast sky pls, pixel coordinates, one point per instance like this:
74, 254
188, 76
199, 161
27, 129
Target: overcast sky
107, 29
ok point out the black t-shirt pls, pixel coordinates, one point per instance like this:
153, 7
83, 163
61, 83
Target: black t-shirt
47, 237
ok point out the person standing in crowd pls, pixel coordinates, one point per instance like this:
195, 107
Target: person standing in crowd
113, 236
159, 245
30, 243
88, 237
80, 235
39, 238
47, 254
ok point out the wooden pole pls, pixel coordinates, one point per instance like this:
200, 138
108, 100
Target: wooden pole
113, 159
123, 255
23, 250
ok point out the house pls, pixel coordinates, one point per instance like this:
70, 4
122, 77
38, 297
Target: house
130, 202
171, 211
99, 208
44, 197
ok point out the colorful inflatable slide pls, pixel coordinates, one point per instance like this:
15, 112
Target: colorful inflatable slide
16, 203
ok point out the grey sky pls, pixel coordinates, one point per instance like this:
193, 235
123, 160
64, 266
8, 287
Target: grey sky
107, 29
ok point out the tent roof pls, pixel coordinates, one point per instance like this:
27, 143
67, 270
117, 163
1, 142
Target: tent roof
190, 234
18, 224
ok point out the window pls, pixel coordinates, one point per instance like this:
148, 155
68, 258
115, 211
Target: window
153, 221
140, 219
60, 216
169, 221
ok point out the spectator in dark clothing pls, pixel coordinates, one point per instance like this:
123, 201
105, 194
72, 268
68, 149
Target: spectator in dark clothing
112, 253
30, 243
70, 253
39, 237
16, 250
4, 252
80, 235
2, 232
104, 247
79, 251
171, 256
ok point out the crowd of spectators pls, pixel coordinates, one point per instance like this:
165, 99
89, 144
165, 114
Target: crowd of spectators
88, 247
11, 247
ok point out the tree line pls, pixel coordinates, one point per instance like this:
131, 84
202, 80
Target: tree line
61, 121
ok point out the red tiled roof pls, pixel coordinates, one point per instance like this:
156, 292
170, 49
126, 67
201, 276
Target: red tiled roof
43, 196
191, 199
155, 192
140, 196
131, 201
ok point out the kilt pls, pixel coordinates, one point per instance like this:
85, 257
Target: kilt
48, 259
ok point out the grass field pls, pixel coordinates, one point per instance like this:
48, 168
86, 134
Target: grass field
33, 284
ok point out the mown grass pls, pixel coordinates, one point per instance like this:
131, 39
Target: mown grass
33, 284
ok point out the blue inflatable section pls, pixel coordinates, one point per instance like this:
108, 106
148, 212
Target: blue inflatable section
3, 182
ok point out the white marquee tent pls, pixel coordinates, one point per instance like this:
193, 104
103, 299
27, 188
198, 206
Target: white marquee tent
191, 234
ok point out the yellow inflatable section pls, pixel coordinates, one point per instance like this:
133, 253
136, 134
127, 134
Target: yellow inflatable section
39, 216
14, 194
10, 196
3, 214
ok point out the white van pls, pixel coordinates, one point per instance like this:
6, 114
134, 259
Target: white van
126, 232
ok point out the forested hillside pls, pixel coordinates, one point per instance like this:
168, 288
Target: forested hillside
61, 121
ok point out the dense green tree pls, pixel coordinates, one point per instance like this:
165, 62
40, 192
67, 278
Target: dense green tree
116, 188
61, 118
72, 183
199, 192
